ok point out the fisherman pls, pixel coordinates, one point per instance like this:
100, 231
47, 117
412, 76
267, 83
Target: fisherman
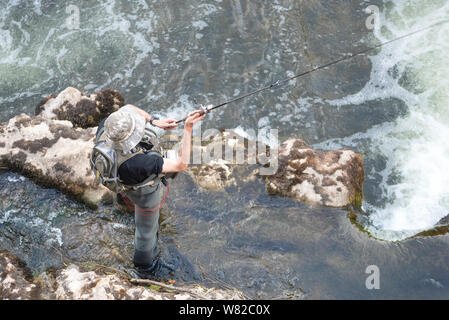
141, 173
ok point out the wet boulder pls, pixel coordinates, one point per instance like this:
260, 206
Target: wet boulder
330, 178
16, 281
53, 153
83, 110
53, 147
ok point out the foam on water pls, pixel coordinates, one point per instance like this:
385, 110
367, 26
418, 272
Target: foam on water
39, 53
37, 225
415, 180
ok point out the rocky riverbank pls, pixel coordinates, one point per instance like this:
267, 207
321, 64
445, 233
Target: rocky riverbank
17, 283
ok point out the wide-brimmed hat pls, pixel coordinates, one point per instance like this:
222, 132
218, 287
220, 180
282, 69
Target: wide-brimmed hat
124, 128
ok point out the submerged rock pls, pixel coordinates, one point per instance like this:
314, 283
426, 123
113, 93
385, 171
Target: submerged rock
215, 176
332, 178
221, 156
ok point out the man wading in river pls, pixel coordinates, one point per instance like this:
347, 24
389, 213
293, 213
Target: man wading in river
140, 173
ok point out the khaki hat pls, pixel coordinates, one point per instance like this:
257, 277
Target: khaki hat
124, 128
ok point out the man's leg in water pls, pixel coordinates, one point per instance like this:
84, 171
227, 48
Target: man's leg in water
145, 238
146, 214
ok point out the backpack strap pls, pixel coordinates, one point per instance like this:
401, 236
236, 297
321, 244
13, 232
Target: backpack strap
99, 135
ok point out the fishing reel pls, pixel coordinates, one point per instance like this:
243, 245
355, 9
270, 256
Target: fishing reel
205, 109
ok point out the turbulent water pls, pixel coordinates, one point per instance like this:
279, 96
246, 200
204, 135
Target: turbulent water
412, 185
390, 106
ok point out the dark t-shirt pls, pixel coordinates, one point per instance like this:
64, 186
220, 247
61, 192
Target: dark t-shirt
139, 167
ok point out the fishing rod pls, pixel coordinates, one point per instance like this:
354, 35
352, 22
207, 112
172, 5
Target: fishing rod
207, 109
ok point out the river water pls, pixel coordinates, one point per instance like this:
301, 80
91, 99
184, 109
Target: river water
390, 106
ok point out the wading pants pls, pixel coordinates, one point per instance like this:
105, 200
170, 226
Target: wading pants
147, 223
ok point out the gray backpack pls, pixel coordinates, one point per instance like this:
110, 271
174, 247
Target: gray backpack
105, 161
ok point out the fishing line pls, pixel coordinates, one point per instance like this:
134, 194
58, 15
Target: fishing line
347, 57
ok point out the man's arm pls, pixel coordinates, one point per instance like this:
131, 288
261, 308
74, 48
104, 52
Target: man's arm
182, 162
166, 124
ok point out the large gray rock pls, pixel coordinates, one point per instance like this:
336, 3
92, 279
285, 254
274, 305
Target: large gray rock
53, 147
332, 178
53, 153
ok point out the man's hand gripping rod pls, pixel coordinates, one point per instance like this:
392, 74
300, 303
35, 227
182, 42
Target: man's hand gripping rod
204, 110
